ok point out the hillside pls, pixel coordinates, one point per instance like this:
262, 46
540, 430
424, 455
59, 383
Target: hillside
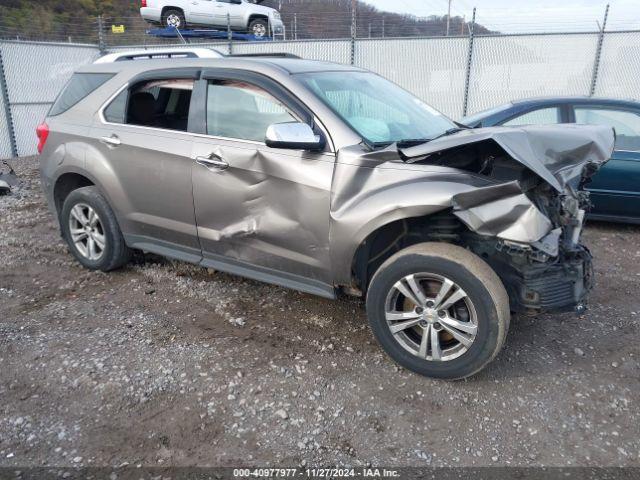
75, 20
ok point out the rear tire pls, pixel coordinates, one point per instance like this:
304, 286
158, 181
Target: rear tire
453, 320
91, 231
174, 18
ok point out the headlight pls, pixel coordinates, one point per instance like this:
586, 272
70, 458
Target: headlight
276, 15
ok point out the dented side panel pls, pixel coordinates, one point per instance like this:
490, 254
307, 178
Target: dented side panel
269, 208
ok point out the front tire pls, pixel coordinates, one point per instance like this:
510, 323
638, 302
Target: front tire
91, 231
259, 28
174, 18
438, 310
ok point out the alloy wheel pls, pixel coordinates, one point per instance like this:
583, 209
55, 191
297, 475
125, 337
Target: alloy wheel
87, 232
431, 317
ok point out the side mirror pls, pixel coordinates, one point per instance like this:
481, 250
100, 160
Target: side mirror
293, 136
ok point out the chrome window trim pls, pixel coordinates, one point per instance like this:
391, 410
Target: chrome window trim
104, 121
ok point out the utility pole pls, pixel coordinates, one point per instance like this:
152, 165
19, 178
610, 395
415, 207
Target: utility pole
383, 26
448, 17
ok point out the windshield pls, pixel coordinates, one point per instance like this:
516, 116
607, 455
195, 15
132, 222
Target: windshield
380, 111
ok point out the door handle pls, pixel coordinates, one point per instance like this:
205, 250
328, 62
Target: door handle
212, 162
112, 140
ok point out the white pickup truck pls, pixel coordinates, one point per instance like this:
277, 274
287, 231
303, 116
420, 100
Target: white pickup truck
243, 15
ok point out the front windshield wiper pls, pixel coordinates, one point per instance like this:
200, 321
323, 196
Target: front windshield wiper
412, 142
451, 131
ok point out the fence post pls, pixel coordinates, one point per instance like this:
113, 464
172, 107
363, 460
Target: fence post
229, 34
101, 43
354, 26
4, 91
467, 79
596, 62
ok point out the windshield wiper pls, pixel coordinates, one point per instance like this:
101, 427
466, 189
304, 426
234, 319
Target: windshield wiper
451, 131
412, 142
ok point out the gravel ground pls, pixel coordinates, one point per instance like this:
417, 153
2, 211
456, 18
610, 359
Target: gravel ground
165, 363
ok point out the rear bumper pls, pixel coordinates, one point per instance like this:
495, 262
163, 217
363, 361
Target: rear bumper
151, 14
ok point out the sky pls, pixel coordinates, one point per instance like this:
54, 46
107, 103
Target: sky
527, 15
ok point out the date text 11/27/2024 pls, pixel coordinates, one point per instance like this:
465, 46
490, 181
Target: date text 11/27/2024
315, 473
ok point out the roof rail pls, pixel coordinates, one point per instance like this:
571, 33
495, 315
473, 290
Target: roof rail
152, 54
273, 54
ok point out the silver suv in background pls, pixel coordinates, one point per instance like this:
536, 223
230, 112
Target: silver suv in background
242, 15
330, 180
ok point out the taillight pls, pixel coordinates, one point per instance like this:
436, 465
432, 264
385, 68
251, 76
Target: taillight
42, 131
144, 3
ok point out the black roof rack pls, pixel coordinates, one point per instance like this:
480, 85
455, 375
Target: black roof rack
274, 54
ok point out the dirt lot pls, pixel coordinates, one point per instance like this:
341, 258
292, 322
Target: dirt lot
164, 363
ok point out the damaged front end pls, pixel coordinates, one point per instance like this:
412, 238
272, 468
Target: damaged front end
527, 223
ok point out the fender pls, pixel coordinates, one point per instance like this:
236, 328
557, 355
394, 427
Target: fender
370, 191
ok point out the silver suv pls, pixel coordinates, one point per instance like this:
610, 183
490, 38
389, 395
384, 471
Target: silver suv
330, 180
241, 15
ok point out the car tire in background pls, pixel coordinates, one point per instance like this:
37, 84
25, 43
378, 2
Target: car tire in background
91, 231
259, 27
443, 295
174, 18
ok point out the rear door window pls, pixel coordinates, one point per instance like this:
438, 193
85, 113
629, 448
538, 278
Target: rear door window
158, 104
541, 116
80, 85
625, 122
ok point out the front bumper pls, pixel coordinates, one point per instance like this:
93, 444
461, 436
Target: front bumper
276, 25
556, 286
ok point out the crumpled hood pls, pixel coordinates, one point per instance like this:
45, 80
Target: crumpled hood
556, 153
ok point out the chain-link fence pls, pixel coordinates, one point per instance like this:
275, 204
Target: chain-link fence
454, 74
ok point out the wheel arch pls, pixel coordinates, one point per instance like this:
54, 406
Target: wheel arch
71, 179
257, 16
67, 183
164, 10
384, 240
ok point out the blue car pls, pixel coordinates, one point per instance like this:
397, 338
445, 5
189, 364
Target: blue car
615, 189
